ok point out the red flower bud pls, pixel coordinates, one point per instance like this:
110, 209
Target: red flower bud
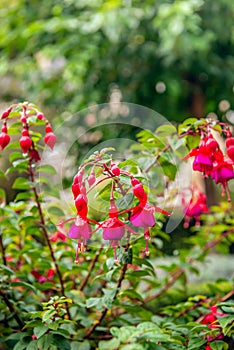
23, 119
230, 152
6, 113
212, 145
48, 128
50, 139
40, 116
34, 155
81, 205
115, 170
4, 139
91, 178
25, 142
135, 181
230, 141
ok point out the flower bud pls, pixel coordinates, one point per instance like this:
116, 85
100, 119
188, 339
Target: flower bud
91, 178
6, 113
4, 137
212, 145
230, 141
134, 181
230, 152
81, 205
40, 116
25, 141
50, 139
115, 170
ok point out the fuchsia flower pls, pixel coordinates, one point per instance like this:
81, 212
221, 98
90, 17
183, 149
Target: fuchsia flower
209, 159
50, 137
41, 278
223, 172
212, 322
143, 214
113, 228
195, 208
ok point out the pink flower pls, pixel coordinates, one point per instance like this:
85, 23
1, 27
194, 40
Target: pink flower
143, 217
195, 208
113, 229
80, 229
222, 173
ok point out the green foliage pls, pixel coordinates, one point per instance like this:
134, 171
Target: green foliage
49, 302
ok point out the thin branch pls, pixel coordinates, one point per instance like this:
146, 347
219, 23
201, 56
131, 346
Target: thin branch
45, 233
91, 266
103, 314
3, 249
12, 309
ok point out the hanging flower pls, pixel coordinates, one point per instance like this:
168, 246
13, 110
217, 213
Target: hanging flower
4, 137
195, 208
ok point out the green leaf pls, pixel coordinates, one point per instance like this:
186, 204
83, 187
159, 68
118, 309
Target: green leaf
7, 270
166, 130
61, 342
218, 345
45, 341
32, 345
24, 284
80, 346
15, 155
21, 184
47, 315
2, 196
56, 211
48, 169
40, 330
92, 302
132, 294
109, 345
133, 347
2, 174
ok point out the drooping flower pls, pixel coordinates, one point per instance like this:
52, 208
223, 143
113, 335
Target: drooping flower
25, 141
113, 228
50, 137
4, 137
222, 173
195, 208
143, 214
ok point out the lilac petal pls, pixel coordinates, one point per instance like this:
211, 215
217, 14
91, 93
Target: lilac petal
143, 217
74, 232
115, 233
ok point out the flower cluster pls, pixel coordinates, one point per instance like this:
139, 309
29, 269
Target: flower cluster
212, 322
117, 223
27, 115
210, 160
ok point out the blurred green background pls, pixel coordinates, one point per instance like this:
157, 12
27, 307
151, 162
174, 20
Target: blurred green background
176, 57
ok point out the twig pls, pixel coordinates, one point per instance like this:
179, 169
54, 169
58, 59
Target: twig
91, 266
45, 233
3, 249
12, 309
103, 314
